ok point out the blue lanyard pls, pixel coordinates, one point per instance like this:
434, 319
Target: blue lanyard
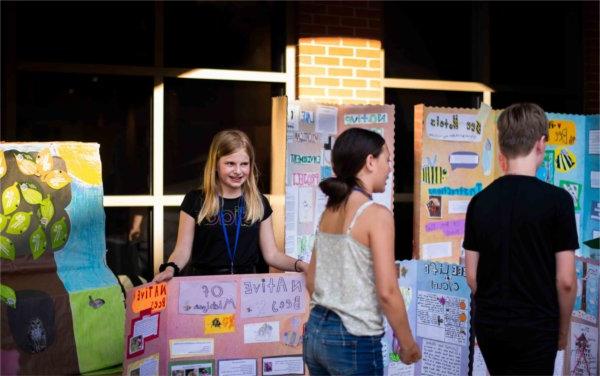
239, 216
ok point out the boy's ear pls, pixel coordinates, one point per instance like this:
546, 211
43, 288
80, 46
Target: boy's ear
503, 162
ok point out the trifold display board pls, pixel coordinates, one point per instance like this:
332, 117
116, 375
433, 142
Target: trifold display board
456, 156
437, 300
234, 325
311, 133
62, 308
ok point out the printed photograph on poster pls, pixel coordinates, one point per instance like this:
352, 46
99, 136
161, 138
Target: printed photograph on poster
237, 367
261, 332
184, 347
546, 170
595, 211
136, 345
434, 206
192, 368
326, 120
574, 190
304, 247
586, 300
147, 366
143, 328
282, 365
584, 350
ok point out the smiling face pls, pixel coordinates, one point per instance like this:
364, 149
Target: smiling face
233, 171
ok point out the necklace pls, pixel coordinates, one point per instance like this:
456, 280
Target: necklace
361, 190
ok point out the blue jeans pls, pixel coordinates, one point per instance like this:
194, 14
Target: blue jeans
330, 350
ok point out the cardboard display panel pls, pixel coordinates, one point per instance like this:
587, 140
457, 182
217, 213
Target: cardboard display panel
62, 308
217, 325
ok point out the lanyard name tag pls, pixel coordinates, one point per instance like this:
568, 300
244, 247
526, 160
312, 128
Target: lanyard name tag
238, 225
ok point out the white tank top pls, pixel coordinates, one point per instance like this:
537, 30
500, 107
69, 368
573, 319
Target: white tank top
345, 281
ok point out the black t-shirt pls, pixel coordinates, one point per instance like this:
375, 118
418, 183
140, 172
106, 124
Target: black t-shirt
209, 250
517, 224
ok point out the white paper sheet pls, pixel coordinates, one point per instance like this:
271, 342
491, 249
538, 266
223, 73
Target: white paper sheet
237, 367
436, 250
326, 120
261, 332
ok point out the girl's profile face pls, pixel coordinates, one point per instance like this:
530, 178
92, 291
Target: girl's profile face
233, 170
384, 168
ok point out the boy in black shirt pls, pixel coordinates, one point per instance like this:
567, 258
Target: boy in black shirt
520, 237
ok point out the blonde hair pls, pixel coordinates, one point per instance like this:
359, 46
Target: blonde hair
224, 143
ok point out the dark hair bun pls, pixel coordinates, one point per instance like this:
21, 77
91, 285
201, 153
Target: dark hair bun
337, 190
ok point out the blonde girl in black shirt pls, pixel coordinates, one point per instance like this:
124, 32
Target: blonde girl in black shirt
224, 226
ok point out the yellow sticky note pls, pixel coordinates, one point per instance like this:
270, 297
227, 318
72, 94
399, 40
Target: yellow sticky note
217, 324
561, 132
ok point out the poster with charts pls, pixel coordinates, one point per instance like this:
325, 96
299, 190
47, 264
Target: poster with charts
312, 129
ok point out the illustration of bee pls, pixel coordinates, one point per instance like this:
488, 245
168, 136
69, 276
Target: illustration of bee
565, 160
432, 174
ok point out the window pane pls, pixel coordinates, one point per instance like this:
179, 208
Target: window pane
86, 32
225, 35
428, 40
129, 241
112, 111
405, 100
197, 109
170, 231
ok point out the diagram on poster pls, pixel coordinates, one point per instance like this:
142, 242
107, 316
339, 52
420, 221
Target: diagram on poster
584, 350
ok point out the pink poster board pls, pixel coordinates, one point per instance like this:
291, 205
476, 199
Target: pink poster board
217, 325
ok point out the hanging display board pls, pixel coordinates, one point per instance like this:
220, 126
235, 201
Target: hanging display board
62, 308
231, 325
437, 300
455, 158
311, 130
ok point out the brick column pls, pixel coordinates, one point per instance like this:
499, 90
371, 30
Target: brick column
340, 59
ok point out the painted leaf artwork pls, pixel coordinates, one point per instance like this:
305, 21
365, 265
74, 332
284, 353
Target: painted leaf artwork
49, 204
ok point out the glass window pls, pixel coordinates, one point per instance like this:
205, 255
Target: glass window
86, 32
112, 111
195, 110
427, 40
226, 35
129, 241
